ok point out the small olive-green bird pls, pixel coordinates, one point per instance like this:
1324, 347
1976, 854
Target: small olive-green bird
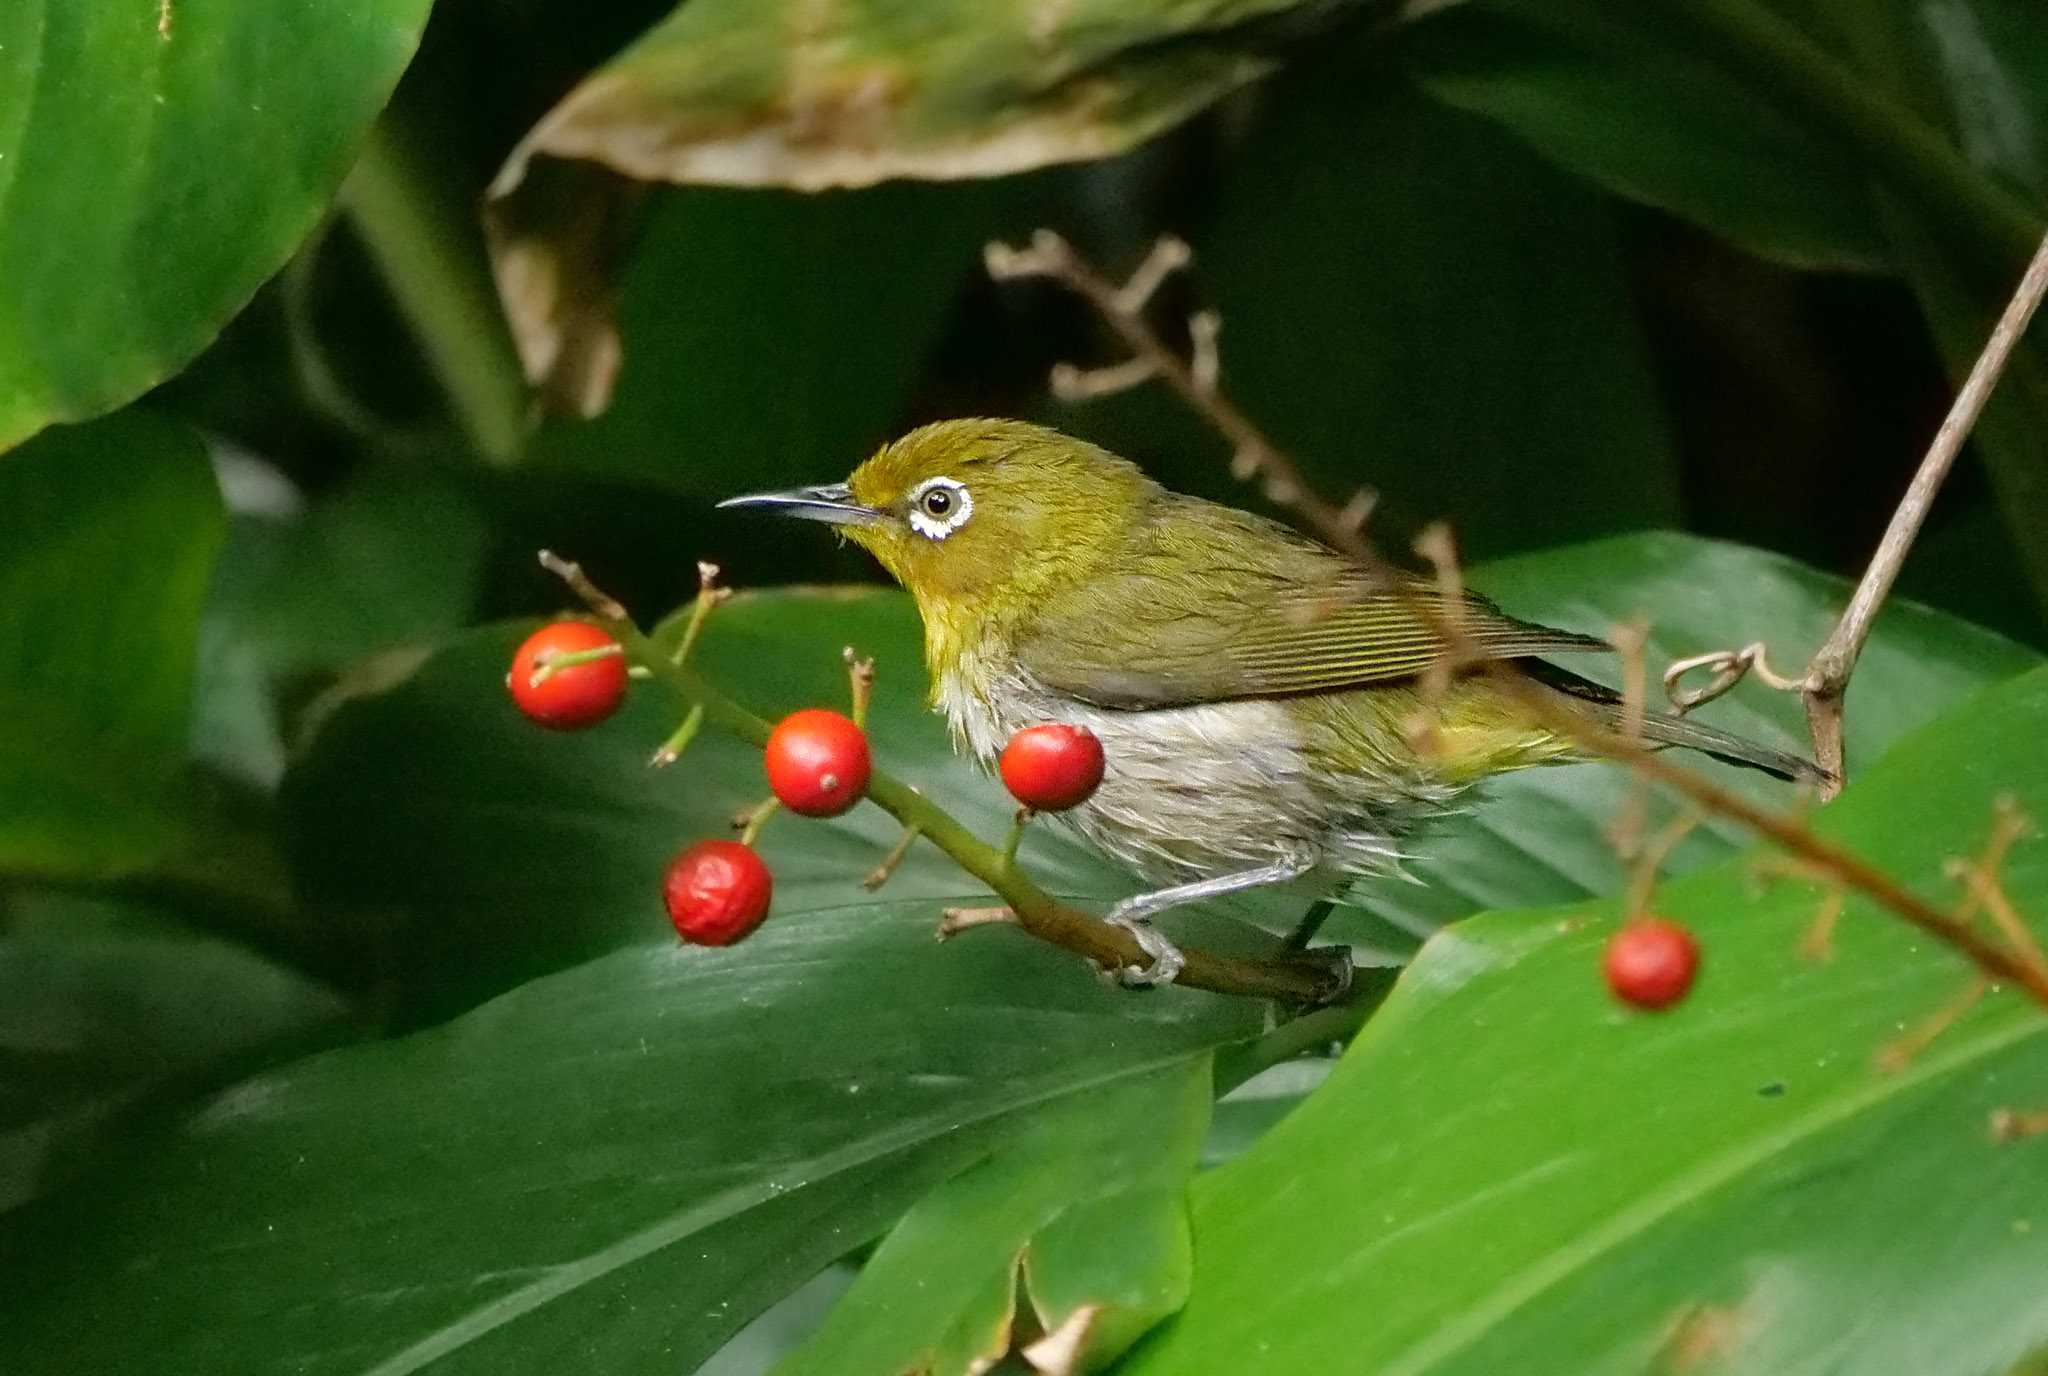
1256, 693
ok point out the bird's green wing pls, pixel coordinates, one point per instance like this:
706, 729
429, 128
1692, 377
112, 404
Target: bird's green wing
1207, 604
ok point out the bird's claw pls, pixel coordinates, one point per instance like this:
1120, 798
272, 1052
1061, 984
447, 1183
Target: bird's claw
1338, 960
1164, 960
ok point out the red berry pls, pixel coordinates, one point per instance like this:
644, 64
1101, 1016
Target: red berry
817, 762
716, 892
1651, 962
573, 696
1052, 767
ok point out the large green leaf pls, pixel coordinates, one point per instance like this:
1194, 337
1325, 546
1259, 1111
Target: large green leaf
771, 93
104, 1008
783, 94
1945, 65
364, 579
1394, 302
109, 533
1519, 1175
1838, 135
609, 1169
1083, 1210
725, 287
1581, 82
157, 162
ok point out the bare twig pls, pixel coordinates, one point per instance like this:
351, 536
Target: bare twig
1631, 640
1825, 682
953, 921
1788, 831
879, 875
1817, 942
1729, 667
1827, 678
1051, 256
1983, 889
1651, 863
1897, 1054
1122, 308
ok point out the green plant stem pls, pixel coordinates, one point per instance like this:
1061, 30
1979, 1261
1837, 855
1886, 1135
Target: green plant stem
1015, 837
1336, 1023
1301, 981
432, 258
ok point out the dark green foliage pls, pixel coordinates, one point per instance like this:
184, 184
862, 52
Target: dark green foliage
341, 1028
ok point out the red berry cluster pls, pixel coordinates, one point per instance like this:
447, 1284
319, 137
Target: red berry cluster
571, 674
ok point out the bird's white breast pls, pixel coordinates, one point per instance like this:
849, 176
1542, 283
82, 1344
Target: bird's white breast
1187, 792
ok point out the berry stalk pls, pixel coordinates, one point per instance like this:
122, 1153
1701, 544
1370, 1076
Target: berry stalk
1297, 981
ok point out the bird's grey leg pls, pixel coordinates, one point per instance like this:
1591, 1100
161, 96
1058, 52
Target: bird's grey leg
1135, 914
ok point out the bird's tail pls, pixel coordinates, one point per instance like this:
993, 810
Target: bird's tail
1665, 729
1670, 730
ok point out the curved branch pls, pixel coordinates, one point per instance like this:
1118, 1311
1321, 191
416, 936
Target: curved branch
1293, 980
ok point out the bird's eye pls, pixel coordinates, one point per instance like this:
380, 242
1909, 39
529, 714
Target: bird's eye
938, 507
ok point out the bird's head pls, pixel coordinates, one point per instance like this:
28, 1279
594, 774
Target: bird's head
990, 514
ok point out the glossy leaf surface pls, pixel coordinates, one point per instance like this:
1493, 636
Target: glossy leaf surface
110, 532
1522, 1173
171, 154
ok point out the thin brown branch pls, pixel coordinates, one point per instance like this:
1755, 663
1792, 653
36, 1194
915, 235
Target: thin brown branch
1824, 684
1827, 677
1788, 831
1051, 256
1651, 863
953, 921
1122, 309
879, 875
1903, 1050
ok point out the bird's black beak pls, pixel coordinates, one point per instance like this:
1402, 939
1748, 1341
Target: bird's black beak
833, 504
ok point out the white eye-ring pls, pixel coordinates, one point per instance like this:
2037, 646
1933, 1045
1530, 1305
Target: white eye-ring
938, 507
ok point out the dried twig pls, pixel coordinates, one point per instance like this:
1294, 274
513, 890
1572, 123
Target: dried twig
1900, 1052
1825, 682
953, 921
1051, 256
879, 875
1123, 309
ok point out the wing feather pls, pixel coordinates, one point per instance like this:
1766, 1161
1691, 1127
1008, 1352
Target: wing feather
1185, 616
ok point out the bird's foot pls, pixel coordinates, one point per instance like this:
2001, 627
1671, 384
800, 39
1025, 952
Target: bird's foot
1338, 959
1164, 962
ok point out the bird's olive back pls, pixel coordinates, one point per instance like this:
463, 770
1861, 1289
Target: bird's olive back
997, 514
